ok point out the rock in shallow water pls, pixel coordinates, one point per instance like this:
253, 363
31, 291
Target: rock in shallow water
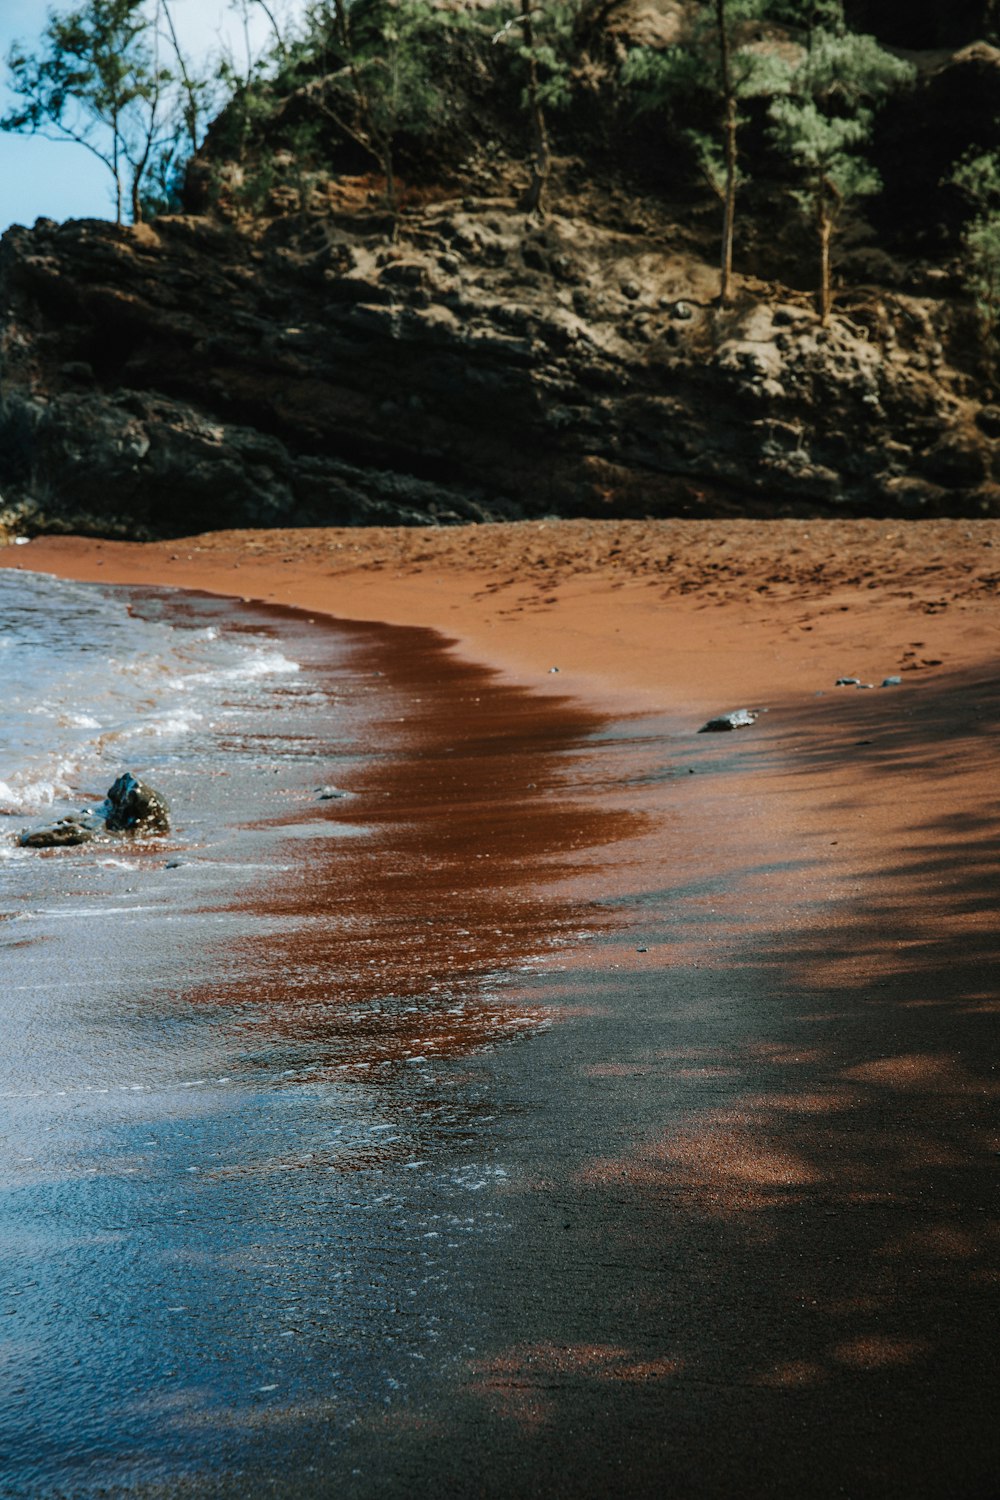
60, 835
134, 807
130, 807
740, 718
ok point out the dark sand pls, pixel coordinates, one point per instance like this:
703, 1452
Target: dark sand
750, 1239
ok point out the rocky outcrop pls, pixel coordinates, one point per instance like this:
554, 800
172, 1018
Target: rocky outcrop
185, 375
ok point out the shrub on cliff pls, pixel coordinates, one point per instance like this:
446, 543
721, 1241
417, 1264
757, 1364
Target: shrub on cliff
977, 177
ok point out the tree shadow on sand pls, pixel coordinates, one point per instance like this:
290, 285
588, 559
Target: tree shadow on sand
779, 1275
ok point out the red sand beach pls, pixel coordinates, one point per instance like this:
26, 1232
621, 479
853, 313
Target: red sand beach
756, 1244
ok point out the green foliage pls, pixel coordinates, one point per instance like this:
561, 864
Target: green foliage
396, 60
673, 81
540, 37
826, 150
823, 123
95, 81
982, 244
808, 15
849, 67
977, 176
381, 72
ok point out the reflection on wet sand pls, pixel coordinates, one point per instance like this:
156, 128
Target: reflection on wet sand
396, 946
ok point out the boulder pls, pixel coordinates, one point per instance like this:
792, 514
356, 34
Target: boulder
134, 807
129, 807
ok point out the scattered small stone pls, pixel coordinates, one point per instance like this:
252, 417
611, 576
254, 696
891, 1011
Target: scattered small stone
740, 718
892, 681
864, 684
682, 311
553, 669
848, 682
327, 793
174, 864
642, 950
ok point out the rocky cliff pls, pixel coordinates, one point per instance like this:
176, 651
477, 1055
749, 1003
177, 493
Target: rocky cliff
301, 369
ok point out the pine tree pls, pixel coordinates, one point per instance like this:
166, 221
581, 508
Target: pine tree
542, 38
824, 123
386, 75
718, 59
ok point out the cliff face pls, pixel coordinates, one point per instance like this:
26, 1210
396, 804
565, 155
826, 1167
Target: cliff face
190, 373
165, 378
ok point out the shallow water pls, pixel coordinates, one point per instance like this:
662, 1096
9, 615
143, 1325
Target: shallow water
247, 1157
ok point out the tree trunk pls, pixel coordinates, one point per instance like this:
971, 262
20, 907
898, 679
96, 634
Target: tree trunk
729, 197
136, 197
533, 200
190, 110
340, 19
825, 234
116, 169
390, 189
729, 207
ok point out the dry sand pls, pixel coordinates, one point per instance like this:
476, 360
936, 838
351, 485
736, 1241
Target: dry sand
786, 1237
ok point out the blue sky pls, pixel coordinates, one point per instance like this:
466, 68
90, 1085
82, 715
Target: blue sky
46, 179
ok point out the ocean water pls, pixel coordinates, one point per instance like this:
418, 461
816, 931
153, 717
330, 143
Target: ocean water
165, 1272
92, 678
232, 1230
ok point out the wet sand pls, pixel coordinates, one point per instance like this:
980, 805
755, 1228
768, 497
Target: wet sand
751, 1241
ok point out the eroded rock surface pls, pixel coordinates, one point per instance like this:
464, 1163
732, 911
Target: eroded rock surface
187, 375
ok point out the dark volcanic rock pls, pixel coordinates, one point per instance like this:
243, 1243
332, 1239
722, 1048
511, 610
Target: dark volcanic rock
60, 835
181, 376
129, 807
134, 807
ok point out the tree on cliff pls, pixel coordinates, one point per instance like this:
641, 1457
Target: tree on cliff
381, 74
197, 92
719, 59
977, 177
96, 81
823, 123
541, 35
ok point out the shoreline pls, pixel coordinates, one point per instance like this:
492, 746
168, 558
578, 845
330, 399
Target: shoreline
750, 1177
632, 613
